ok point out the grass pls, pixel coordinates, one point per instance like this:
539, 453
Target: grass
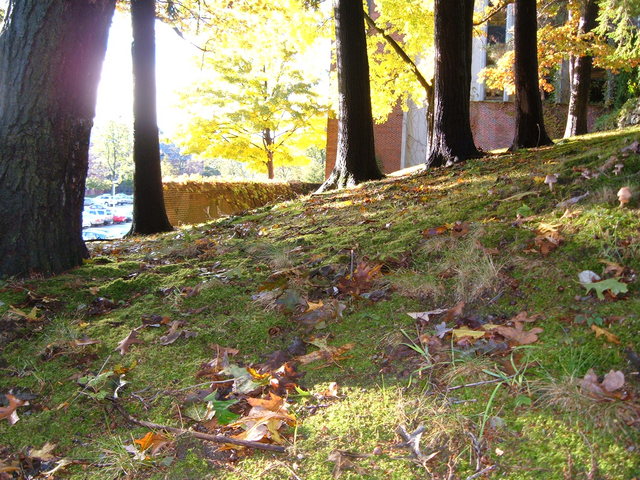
519, 410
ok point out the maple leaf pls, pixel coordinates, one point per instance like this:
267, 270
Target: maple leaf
125, 343
221, 408
9, 412
32, 316
610, 337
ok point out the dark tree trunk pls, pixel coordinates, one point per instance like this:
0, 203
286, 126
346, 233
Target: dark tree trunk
149, 214
530, 131
355, 158
452, 140
51, 54
581, 77
268, 142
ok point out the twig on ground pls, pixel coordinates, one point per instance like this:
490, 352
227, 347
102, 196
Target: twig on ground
201, 436
482, 472
476, 384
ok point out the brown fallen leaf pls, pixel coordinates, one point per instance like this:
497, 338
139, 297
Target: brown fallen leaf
175, 333
454, 312
361, 280
9, 412
274, 403
611, 267
525, 318
125, 343
83, 342
518, 335
459, 229
610, 337
318, 314
607, 389
326, 353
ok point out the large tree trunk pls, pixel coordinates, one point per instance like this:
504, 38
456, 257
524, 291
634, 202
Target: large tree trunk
452, 140
51, 54
581, 77
149, 214
530, 131
355, 158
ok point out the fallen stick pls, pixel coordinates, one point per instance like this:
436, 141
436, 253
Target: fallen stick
201, 436
477, 384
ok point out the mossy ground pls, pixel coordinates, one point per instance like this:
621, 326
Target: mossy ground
534, 425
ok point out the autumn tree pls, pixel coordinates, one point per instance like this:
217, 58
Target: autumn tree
256, 108
452, 140
530, 131
51, 55
111, 146
258, 103
149, 213
355, 157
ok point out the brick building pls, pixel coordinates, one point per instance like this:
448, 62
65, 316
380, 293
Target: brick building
401, 141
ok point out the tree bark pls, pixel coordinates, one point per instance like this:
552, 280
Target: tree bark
452, 140
149, 213
581, 77
530, 131
51, 55
355, 158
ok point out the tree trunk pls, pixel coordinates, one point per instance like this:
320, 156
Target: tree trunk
530, 131
268, 142
149, 214
581, 77
51, 54
452, 140
355, 158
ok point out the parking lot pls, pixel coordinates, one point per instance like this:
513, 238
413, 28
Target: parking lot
105, 217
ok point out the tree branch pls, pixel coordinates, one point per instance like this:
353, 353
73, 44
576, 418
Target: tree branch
400, 51
497, 8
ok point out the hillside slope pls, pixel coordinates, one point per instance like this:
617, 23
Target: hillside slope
290, 326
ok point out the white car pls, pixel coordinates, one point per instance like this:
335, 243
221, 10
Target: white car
104, 213
105, 199
90, 217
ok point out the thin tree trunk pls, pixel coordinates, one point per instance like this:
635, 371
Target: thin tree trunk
149, 213
355, 158
268, 142
51, 55
581, 77
530, 131
452, 140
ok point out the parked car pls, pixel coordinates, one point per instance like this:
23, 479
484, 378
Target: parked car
92, 217
104, 213
123, 199
122, 214
106, 199
87, 201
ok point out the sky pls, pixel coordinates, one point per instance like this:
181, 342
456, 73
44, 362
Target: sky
176, 68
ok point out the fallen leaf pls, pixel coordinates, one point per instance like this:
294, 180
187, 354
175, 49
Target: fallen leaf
434, 231
82, 342
43, 453
614, 380
32, 316
612, 285
9, 412
454, 312
518, 335
463, 332
460, 229
153, 441
326, 353
610, 337
175, 333
611, 267
608, 388
361, 280
132, 338
319, 314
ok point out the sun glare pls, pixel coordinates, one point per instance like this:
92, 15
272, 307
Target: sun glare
176, 68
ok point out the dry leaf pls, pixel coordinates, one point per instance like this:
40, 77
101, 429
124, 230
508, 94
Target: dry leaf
123, 346
460, 229
318, 314
518, 335
82, 342
612, 382
327, 354
610, 337
9, 412
153, 441
459, 333
175, 333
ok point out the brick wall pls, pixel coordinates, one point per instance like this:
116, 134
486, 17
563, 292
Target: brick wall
387, 137
492, 124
